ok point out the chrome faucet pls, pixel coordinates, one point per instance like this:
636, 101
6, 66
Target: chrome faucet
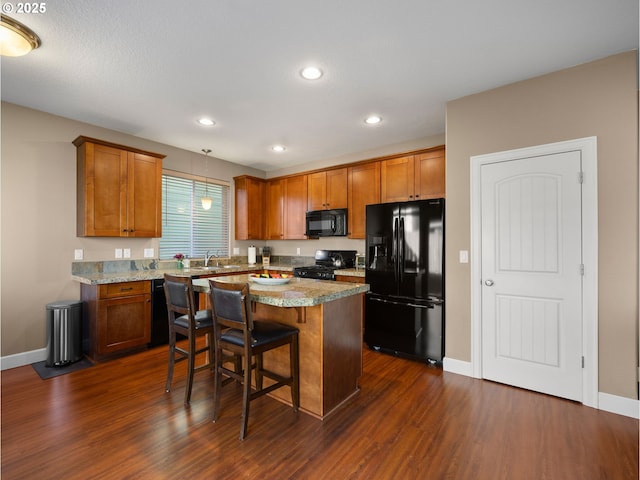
208, 257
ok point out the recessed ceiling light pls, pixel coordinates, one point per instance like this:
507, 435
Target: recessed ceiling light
311, 73
278, 148
207, 122
372, 119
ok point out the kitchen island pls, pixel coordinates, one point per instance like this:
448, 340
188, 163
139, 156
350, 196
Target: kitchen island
329, 316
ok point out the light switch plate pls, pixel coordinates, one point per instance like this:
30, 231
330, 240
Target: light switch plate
298, 251
78, 254
236, 251
464, 256
118, 253
127, 253
148, 253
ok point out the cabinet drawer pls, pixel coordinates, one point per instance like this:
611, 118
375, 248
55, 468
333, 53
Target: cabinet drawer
124, 289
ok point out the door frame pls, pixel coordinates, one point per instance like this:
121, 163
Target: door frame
588, 151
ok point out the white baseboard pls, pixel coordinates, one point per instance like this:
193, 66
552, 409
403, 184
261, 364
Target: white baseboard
24, 358
607, 402
620, 405
460, 367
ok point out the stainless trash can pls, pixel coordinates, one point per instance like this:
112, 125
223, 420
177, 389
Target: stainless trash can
64, 332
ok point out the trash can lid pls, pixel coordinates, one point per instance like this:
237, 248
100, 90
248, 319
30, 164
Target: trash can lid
63, 304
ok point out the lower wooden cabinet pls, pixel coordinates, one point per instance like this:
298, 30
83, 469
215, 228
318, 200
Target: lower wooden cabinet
116, 318
349, 278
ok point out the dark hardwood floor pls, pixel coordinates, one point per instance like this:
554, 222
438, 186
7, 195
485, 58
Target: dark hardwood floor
410, 421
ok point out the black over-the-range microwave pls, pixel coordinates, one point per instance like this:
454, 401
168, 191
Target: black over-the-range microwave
327, 223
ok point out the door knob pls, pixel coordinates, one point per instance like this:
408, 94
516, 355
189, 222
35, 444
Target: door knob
488, 283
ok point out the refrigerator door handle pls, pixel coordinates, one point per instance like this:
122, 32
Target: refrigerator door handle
395, 249
401, 249
382, 300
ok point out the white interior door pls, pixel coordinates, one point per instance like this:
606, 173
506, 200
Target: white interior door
532, 274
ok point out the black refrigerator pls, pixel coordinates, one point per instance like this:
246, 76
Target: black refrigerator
404, 261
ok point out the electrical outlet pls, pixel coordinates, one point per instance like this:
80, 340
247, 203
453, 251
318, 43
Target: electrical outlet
236, 251
118, 253
78, 254
298, 251
127, 253
148, 253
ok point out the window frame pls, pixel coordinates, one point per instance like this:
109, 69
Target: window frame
198, 186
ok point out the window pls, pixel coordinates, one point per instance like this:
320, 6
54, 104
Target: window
187, 228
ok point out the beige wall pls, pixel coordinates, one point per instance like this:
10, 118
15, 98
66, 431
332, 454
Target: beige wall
596, 99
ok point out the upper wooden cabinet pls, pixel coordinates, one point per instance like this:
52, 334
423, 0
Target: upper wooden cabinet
397, 179
250, 214
119, 190
413, 177
286, 200
363, 190
295, 206
430, 174
275, 209
327, 189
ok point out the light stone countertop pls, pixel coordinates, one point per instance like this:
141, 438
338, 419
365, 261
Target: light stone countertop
154, 274
351, 272
299, 292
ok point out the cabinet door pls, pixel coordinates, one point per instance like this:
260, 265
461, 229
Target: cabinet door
317, 191
250, 208
363, 190
102, 190
295, 207
144, 196
275, 212
123, 323
119, 190
430, 174
397, 179
337, 188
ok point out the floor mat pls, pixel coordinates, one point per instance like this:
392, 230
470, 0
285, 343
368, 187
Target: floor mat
48, 372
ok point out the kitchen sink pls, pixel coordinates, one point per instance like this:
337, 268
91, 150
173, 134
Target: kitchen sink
210, 269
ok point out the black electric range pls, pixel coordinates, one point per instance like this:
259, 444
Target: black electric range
327, 262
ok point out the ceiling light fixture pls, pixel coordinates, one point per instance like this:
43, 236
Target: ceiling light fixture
311, 73
278, 148
207, 122
372, 119
206, 201
16, 39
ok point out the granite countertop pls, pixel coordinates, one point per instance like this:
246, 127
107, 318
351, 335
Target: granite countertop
299, 292
351, 272
154, 274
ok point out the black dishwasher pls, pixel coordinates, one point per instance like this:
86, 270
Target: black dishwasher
159, 319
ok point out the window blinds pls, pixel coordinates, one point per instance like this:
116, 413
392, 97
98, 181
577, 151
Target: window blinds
186, 227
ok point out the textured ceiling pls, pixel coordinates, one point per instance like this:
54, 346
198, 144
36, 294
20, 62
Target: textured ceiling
151, 68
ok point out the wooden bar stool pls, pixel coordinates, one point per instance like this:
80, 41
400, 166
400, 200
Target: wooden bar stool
185, 320
236, 332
